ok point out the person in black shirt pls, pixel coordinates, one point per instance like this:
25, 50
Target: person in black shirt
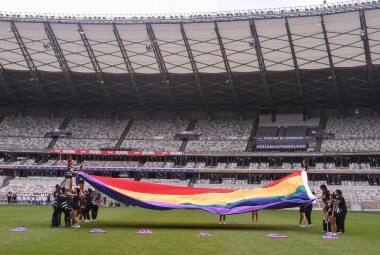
305, 165
302, 221
87, 205
309, 210
63, 205
341, 211
9, 197
75, 207
56, 217
331, 214
95, 205
325, 199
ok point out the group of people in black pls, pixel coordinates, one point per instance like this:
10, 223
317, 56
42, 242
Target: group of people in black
334, 211
11, 198
74, 204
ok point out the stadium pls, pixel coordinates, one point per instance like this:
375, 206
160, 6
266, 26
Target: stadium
228, 101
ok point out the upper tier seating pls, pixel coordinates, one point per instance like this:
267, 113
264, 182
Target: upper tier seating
154, 135
96, 128
285, 120
24, 133
357, 133
221, 135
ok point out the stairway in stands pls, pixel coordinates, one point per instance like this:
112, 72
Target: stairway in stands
322, 126
63, 126
124, 134
6, 181
251, 140
190, 127
2, 117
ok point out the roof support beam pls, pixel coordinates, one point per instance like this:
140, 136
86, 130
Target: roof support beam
161, 63
5, 86
91, 55
62, 61
95, 63
295, 62
332, 68
128, 65
260, 60
368, 59
194, 67
29, 61
230, 78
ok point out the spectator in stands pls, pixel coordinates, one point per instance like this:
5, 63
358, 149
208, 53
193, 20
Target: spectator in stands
341, 211
9, 197
305, 164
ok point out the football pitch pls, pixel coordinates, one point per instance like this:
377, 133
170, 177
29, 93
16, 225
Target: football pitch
176, 232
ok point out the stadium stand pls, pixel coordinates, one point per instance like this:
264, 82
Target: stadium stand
95, 163
31, 184
221, 135
217, 146
151, 135
77, 143
358, 133
92, 134
151, 145
286, 120
287, 132
26, 133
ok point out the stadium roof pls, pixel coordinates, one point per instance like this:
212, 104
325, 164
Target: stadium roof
311, 58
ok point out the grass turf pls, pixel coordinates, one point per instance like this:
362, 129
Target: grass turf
175, 232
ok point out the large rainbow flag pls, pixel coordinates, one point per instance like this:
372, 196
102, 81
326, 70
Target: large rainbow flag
290, 191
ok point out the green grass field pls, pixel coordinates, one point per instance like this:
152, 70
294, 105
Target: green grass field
175, 232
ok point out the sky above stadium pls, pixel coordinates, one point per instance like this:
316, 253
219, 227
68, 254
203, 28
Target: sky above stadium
145, 6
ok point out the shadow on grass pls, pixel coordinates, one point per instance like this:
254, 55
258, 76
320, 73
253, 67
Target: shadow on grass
178, 225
